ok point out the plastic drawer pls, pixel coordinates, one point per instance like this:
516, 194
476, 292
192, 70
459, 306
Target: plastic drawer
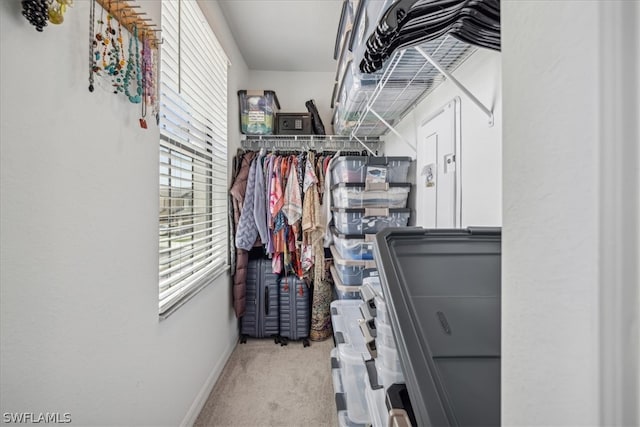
384, 334
353, 169
369, 220
258, 110
358, 195
382, 315
338, 389
344, 292
375, 398
386, 376
351, 354
349, 272
388, 357
350, 275
353, 246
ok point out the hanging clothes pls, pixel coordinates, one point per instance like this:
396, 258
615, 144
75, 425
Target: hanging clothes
247, 231
292, 207
237, 194
259, 201
311, 227
239, 187
321, 327
328, 202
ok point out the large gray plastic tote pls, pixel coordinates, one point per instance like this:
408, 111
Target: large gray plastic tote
442, 288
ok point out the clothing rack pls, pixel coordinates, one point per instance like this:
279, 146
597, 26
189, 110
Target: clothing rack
309, 142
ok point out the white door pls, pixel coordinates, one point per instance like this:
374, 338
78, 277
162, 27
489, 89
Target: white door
438, 170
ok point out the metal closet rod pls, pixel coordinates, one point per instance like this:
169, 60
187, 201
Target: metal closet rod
295, 142
459, 85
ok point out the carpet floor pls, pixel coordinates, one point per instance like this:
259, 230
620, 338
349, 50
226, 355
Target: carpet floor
265, 384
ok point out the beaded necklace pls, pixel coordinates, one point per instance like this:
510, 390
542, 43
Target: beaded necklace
92, 44
133, 61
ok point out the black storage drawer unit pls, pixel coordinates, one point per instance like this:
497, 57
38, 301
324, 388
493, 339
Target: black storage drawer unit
294, 124
443, 292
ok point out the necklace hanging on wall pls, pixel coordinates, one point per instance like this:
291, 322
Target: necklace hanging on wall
36, 12
133, 69
92, 44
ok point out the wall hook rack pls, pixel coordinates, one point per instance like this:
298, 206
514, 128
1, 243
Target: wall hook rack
125, 13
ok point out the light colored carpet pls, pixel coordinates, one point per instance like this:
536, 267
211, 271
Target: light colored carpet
265, 384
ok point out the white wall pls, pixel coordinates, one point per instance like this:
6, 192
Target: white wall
481, 144
569, 332
295, 88
79, 278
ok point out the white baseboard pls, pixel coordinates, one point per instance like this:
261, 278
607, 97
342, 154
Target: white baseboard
203, 395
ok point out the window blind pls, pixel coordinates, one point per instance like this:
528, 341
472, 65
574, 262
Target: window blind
193, 223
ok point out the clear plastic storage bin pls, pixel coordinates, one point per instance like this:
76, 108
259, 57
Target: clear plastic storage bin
357, 195
388, 357
376, 403
338, 389
384, 334
344, 292
353, 246
387, 376
258, 110
351, 355
368, 220
359, 169
349, 271
382, 315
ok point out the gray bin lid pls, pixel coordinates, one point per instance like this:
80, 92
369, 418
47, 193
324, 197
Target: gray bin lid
443, 290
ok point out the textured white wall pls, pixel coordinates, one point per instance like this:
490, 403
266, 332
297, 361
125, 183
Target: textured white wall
481, 144
78, 245
295, 88
550, 237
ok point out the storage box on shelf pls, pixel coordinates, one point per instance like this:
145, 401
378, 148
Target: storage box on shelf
258, 110
404, 79
351, 353
369, 220
294, 124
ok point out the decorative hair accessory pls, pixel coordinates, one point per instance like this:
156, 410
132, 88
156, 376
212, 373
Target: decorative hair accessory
57, 9
36, 12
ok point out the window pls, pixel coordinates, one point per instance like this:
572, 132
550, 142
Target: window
193, 223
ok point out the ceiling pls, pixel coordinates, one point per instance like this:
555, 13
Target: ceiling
284, 35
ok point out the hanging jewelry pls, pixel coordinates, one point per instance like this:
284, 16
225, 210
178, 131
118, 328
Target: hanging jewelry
145, 50
92, 44
98, 41
36, 12
57, 9
133, 61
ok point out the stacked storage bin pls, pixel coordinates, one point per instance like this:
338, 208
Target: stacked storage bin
347, 362
383, 367
370, 194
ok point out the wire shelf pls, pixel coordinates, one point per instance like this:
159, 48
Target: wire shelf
309, 142
404, 81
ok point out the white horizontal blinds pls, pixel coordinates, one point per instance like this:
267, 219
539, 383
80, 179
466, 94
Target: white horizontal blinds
193, 154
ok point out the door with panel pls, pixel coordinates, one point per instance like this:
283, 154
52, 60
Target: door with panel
438, 162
